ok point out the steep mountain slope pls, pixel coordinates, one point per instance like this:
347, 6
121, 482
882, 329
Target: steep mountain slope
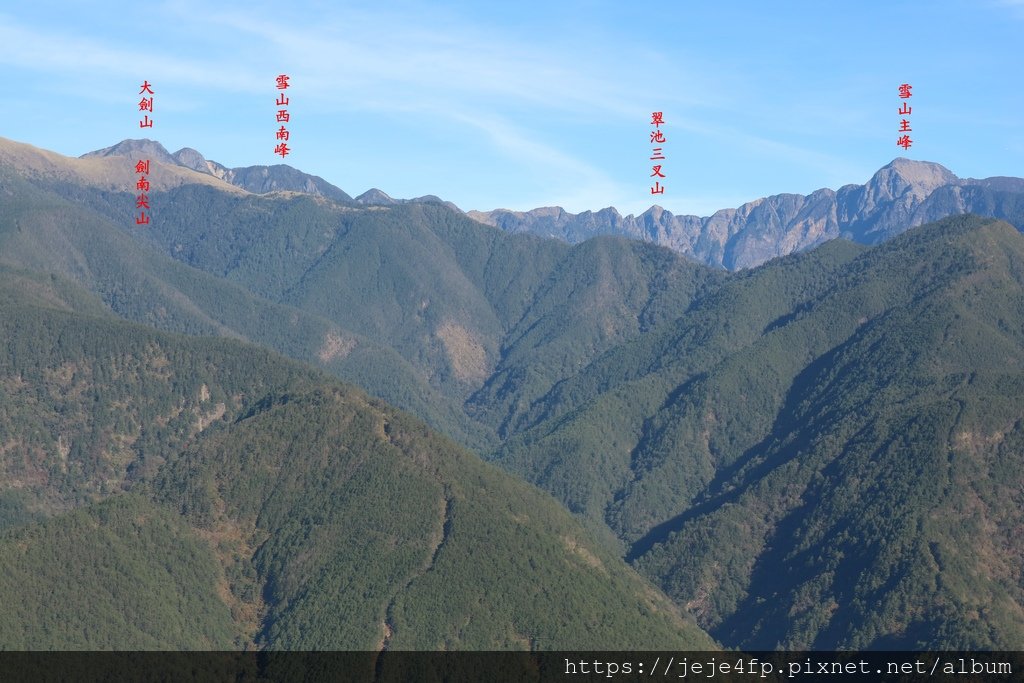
379, 534
52, 225
469, 307
459, 312
903, 194
889, 490
89, 404
261, 491
634, 435
601, 294
797, 489
105, 172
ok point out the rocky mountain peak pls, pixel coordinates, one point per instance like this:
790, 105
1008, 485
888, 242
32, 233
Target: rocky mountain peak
375, 196
921, 177
190, 158
900, 195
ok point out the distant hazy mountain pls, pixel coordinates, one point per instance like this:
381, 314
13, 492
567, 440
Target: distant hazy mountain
901, 195
150, 149
255, 179
373, 196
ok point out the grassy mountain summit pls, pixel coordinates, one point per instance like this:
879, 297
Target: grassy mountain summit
113, 173
255, 179
219, 495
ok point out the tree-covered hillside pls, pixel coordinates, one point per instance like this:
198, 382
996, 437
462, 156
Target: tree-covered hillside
821, 452
122, 574
371, 532
163, 491
51, 227
838, 466
463, 324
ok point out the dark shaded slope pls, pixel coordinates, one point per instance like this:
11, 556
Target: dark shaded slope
602, 293
89, 404
474, 313
629, 440
885, 505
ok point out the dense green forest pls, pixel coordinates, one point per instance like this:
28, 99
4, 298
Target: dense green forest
787, 461
196, 493
822, 452
462, 324
118, 575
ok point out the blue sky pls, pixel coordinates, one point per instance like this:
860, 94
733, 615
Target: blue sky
527, 104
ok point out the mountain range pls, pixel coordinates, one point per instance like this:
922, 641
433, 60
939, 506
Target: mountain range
255, 179
819, 452
901, 195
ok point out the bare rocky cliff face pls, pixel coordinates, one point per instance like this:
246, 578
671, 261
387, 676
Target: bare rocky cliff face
901, 195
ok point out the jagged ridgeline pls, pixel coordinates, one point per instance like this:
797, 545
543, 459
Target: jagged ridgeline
161, 491
902, 194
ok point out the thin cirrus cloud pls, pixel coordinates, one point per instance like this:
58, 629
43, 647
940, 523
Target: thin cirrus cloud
64, 54
596, 186
363, 54
470, 74
1016, 6
497, 88
564, 109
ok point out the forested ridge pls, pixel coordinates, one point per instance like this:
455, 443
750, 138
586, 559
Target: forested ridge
174, 492
822, 452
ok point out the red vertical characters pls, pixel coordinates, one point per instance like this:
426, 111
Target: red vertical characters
142, 165
283, 117
657, 153
904, 140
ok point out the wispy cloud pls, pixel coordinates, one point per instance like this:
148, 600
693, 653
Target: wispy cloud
468, 73
436, 69
1015, 7
361, 57
68, 55
587, 186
